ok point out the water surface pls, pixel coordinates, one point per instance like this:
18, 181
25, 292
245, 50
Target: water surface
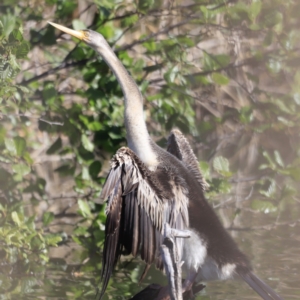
73, 273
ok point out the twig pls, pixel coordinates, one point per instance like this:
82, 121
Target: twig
51, 123
264, 227
32, 117
63, 65
163, 31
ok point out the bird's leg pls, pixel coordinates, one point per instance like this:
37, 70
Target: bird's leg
188, 282
171, 256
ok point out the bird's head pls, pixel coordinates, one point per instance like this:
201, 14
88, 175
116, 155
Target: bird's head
91, 38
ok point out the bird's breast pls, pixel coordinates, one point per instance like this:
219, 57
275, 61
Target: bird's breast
196, 259
194, 251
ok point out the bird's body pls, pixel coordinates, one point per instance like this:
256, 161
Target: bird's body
148, 186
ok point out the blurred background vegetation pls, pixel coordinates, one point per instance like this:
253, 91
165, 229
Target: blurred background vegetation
226, 73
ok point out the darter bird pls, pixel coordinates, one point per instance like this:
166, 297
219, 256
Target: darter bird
148, 186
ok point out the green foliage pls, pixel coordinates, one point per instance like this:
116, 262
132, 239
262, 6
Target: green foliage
12, 47
21, 242
225, 74
221, 165
23, 245
220, 79
264, 206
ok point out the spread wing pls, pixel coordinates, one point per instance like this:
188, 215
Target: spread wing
180, 147
139, 203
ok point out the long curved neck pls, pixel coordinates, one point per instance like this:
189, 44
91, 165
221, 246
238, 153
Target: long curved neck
137, 135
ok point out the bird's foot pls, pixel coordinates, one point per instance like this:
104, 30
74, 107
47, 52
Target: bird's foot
193, 291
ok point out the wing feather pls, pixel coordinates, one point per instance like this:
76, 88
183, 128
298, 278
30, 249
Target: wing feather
112, 229
180, 148
159, 240
137, 208
135, 230
143, 225
114, 177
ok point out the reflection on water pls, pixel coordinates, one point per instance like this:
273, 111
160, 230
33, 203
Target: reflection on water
275, 258
274, 254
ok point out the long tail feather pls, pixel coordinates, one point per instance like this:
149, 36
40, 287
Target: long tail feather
260, 287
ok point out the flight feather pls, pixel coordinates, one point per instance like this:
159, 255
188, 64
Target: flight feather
137, 207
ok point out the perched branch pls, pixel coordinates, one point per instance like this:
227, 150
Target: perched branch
172, 263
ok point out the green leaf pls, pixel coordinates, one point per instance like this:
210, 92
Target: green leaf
184, 40
272, 18
15, 218
246, 114
10, 146
65, 170
8, 23
205, 169
294, 172
278, 158
22, 50
13, 62
28, 158
263, 206
94, 126
221, 165
53, 239
144, 5
18, 34
49, 93
48, 217
94, 169
23, 88
272, 165
255, 8
129, 20
224, 187
21, 169
84, 208
221, 60
171, 74
220, 79
87, 144
20, 145
55, 147
31, 224
78, 24
151, 46
85, 175
114, 136
80, 230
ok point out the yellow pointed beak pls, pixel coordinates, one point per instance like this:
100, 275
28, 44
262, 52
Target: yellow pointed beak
78, 34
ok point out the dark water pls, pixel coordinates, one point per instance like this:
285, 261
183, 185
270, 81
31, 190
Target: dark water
274, 251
